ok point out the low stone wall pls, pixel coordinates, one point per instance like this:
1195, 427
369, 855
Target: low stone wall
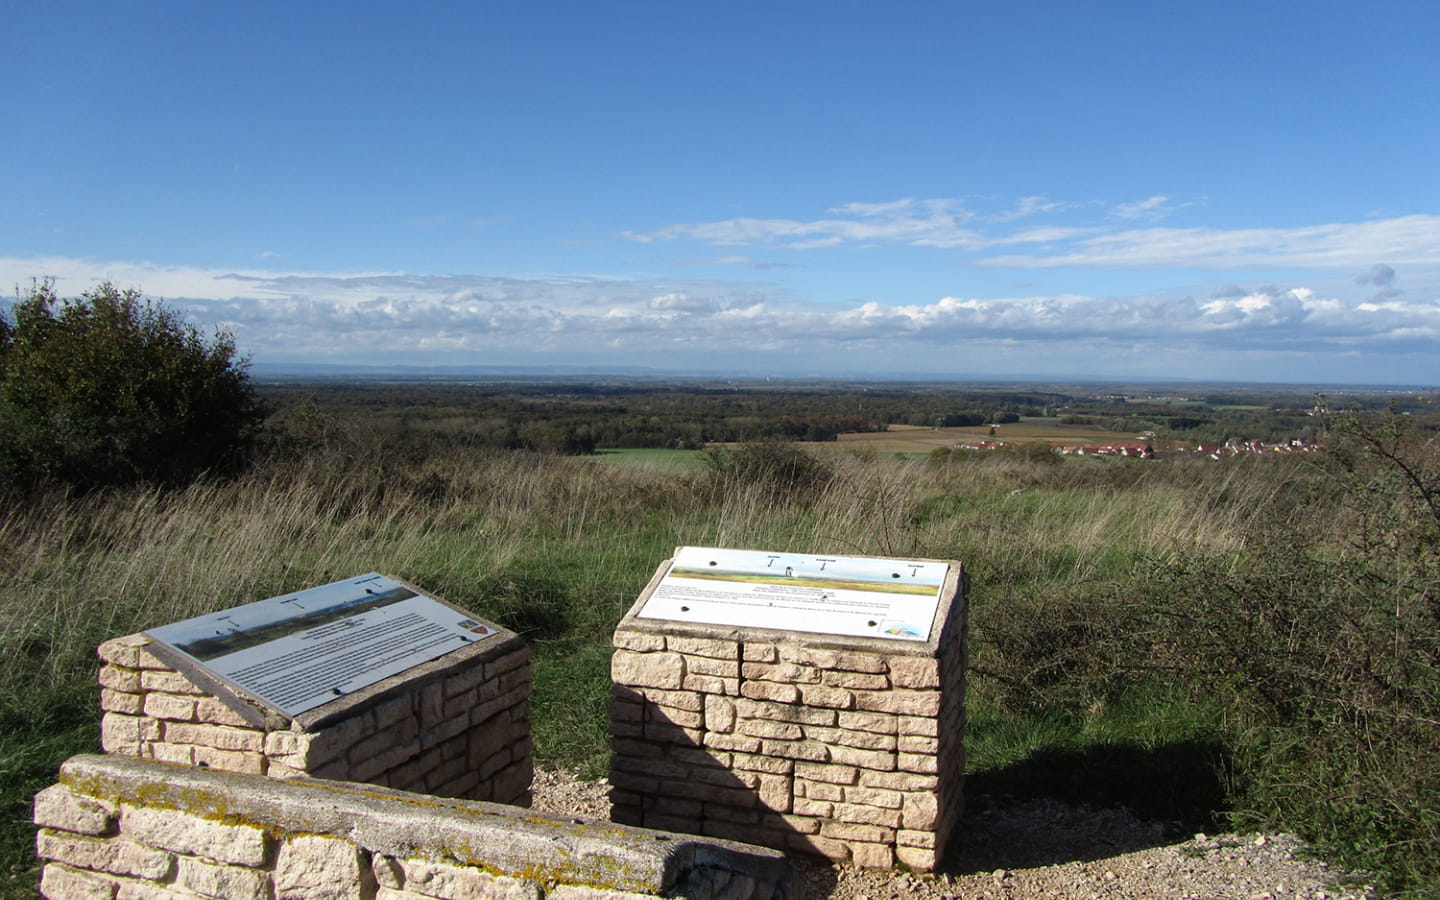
850, 748
122, 827
458, 726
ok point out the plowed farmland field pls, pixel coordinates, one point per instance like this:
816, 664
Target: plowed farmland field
923, 439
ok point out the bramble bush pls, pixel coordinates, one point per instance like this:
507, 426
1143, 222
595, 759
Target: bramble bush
110, 388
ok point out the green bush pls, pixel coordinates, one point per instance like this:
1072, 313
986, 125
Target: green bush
110, 388
1326, 643
782, 469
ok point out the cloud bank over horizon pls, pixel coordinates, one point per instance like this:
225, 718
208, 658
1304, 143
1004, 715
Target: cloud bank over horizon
1365, 324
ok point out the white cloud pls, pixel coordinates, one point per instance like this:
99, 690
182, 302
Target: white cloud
935, 223
1409, 239
391, 318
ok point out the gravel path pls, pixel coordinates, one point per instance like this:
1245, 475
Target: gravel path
1044, 849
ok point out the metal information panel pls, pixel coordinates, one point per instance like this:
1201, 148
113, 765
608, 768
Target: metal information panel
842, 595
298, 651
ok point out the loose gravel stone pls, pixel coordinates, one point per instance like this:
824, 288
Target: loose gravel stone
1018, 850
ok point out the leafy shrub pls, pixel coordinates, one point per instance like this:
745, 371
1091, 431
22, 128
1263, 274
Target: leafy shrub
1328, 649
779, 468
110, 389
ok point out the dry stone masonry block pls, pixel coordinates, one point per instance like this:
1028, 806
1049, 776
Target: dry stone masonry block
456, 726
849, 747
116, 827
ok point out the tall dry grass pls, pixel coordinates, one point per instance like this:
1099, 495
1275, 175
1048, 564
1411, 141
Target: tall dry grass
559, 547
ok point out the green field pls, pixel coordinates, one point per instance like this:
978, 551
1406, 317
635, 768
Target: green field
672, 460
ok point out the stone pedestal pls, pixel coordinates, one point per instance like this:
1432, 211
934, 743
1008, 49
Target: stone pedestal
457, 726
847, 747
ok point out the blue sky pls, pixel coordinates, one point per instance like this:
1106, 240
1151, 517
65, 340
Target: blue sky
1237, 191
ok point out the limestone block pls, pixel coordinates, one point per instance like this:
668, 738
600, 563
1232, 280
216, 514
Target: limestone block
709, 647
673, 734
220, 737
692, 701
765, 728
214, 712
675, 806
784, 673
874, 760
122, 651
922, 839
170, 706
170, 682
125, 734
917, 858
464, 681
719, 713
444, 731
855, 680
872, 856
122, 702
580, 892
182, 832
58, 881
648, 670
180, 754
836, 660
316, 867
60, 808
289, 747
829, 697
396, 709
905, 703
115, 856
387, 871
228, 882
120, 679
855, 813
755, 763
913, 744
711, 684
914, 672
639, 641
920, 726
704, 665
431, 705
819, 845
806, 750
921, 811
784, 712
365, 768
466, 786
681, 717
775, 792
862, 740
509, 662
819, 790
876, 797
700, 757
767, 690
737, 742
878, 723
925, 764
240, 762
436, 879
766, 653
853, 831
806, 806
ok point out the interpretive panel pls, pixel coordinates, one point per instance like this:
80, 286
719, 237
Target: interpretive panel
298, 651
842, 595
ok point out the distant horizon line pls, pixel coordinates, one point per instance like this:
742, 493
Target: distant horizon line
280, 370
